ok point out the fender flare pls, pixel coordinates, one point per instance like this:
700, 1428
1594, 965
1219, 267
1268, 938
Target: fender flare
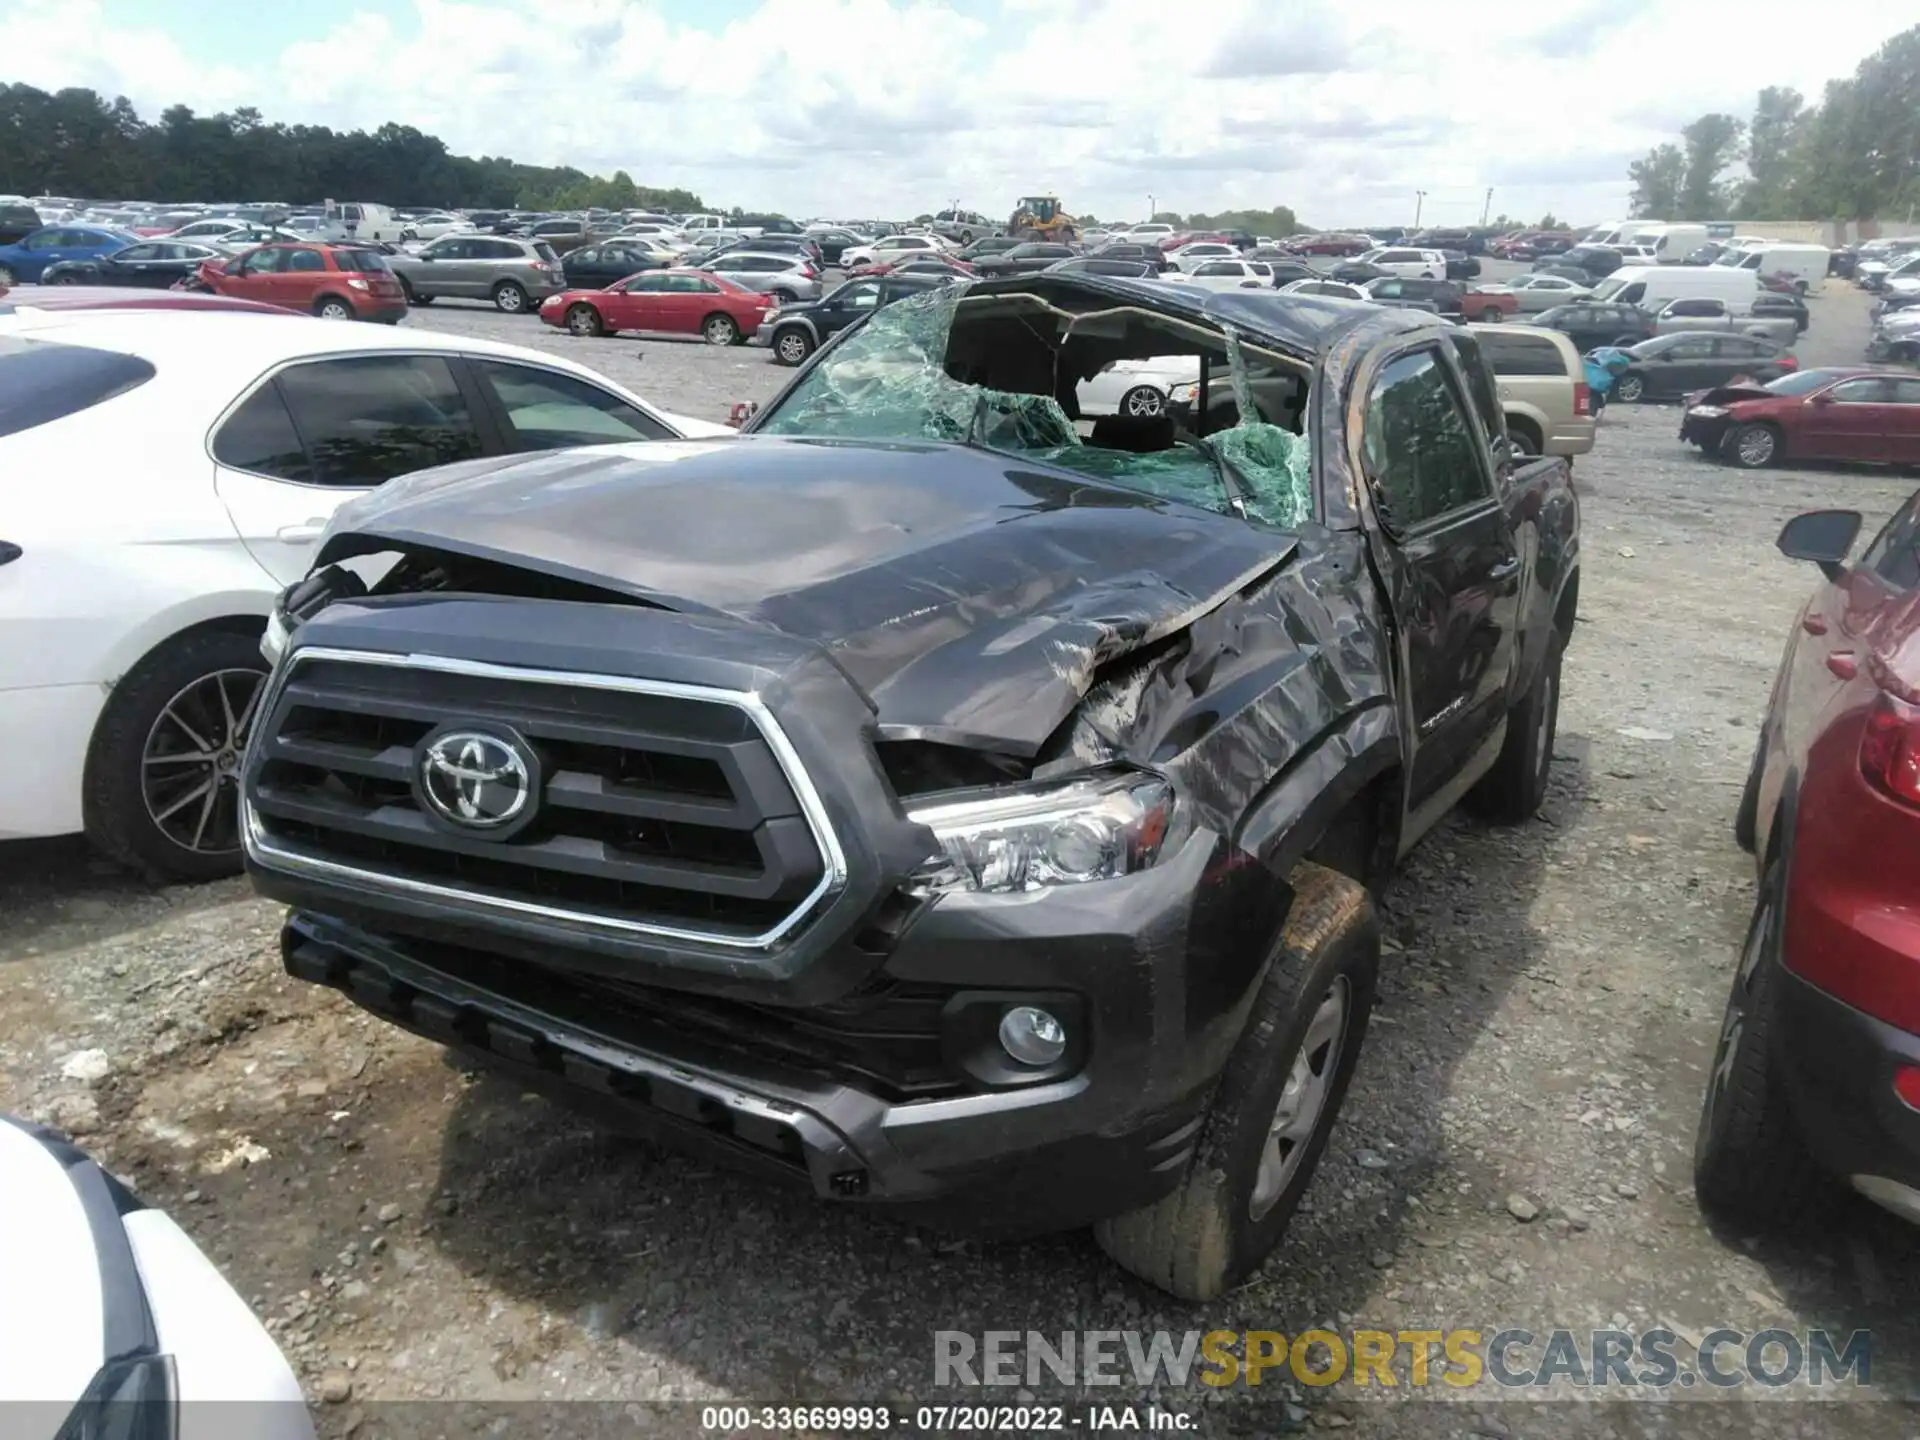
1323, 778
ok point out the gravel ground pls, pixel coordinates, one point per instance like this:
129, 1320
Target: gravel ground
413, 1231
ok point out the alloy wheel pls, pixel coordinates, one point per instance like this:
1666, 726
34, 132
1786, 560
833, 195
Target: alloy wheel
1143, 400
792, 347
190, 764
1756, 447
1303, 1100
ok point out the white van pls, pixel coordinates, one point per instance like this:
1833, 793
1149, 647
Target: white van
1652, 286
1807, 264
1671, 243
361, 221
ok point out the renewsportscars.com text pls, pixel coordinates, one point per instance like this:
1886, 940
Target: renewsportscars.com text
1513, 1358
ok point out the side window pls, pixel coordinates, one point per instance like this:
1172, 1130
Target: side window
1737, 347
452, 249
1218, 267
1634, 293
141, 252
546, 411
268, 260
1691, 350
1863, 392
1390, 289
1696, 308
370, 418
1522, 355
306, 260
591, 255
1906, 392
1895, 553
1420, 450
647, 284
260, 437
861, 297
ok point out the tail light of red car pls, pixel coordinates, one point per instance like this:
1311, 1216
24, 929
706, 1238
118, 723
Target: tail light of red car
1906, 1084
1582, 399
1890, 749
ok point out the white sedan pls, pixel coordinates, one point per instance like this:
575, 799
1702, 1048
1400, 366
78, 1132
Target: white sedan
1139, 388
166, 474
1234, 274
889, 248
432, 227
1536, 292
113, 1323
1191, 257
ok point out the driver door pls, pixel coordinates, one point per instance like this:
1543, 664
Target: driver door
1448, 553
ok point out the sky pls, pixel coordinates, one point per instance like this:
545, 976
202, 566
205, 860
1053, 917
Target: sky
890, 108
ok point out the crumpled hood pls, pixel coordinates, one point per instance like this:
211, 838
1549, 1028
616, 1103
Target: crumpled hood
972, 597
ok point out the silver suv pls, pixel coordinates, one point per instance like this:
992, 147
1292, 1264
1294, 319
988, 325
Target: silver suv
515, 274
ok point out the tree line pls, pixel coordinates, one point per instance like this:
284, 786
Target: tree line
77, 143
1853, 156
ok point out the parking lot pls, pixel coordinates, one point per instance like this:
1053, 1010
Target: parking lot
414, 1231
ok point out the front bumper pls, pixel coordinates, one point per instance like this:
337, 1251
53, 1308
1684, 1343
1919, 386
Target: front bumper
1706, 431
1838, 1065
1109, 1129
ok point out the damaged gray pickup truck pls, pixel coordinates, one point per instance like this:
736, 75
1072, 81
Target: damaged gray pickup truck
931, 796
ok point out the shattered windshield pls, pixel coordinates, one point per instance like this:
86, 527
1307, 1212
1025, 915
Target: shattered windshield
1084, 393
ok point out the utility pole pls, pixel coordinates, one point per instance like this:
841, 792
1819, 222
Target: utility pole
1486, 207
1419, 203
1150, 209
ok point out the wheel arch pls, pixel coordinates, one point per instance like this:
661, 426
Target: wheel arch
1531, 420
1350, 771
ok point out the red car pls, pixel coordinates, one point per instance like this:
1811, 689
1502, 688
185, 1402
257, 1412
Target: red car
676, 302
1816, 1077
1826, 414
335, 282
1330, 244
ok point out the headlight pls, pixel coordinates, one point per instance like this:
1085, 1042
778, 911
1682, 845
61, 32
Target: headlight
1183, 394
1098, 826
276, 637
1708, 412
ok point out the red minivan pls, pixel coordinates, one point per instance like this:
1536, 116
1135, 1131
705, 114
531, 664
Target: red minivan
1816, 1077
335, 282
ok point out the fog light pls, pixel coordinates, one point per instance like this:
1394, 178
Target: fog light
1906, 1082
1032, 1036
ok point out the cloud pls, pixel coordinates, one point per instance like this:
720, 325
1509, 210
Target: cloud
893, 107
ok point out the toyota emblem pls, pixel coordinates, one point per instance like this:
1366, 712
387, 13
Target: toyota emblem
475, 779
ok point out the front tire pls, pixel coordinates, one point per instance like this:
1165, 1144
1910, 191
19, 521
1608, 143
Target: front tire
511, 298
1750, 1162
1630, 389
1274, 1106
163, 772
720, 329
1491, 316
584, 320
1752, 447
1516, 787
792, 345
1142, 402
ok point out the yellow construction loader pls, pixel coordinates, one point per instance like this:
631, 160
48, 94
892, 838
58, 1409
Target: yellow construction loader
1041, 218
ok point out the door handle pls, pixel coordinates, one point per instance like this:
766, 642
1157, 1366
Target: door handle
1842, 663
1505, 570
301, 534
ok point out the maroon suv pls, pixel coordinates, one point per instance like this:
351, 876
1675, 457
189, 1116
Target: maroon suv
1816, 1077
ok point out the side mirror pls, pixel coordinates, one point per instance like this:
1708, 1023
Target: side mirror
426, 256
1822, 536
1825, 398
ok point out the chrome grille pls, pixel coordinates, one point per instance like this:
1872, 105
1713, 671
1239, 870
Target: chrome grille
662, 808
